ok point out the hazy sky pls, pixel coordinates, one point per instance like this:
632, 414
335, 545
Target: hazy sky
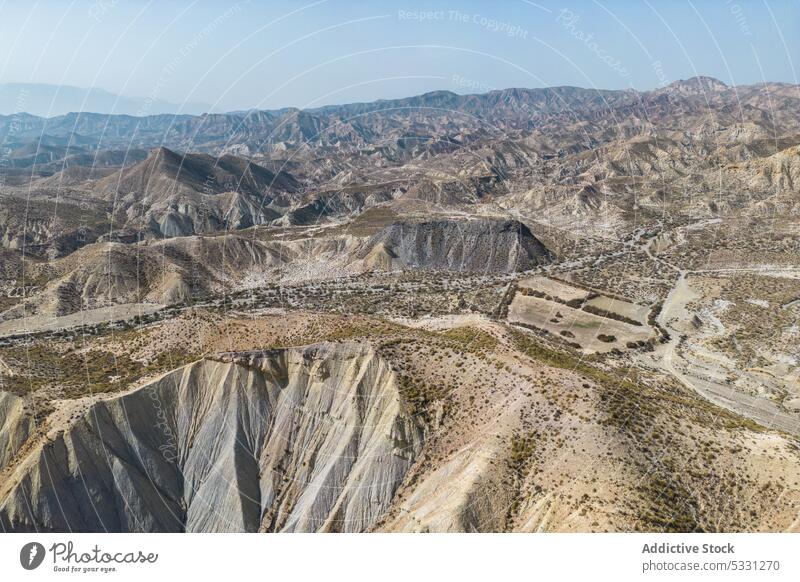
237, 55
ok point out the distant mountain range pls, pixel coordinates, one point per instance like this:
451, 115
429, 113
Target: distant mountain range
566, 151
556, 120
46, 100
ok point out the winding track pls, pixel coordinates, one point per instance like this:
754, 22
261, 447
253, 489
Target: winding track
760, 410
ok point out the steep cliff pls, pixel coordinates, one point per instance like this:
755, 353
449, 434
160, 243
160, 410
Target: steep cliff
481, 245
303, 439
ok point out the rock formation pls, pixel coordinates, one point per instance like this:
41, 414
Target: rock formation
311, 439
480, 245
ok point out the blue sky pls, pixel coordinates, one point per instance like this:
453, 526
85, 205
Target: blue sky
237, 55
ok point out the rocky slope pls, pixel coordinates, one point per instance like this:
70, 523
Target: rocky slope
186, 194
173, 270
16, 426
311, 439
481, 245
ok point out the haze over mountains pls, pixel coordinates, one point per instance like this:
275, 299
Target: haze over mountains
555, 309
46, 100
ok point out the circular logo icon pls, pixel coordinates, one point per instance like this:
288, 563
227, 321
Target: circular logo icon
31, 555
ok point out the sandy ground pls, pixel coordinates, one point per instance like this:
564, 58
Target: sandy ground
704, 375
554, 288
584, 327
39, 323
625, 308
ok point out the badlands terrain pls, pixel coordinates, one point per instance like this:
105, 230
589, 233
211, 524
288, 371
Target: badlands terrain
528, 310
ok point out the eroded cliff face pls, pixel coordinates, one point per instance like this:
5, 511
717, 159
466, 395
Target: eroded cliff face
483, 246
15, 425
301, 439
